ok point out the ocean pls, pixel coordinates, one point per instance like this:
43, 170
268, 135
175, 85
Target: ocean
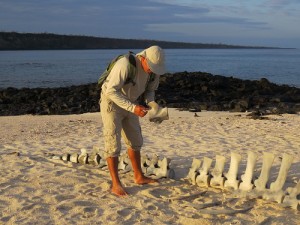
59, 68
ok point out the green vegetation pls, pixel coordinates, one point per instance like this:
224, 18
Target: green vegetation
47, 41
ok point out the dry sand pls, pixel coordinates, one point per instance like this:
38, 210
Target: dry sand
37, 190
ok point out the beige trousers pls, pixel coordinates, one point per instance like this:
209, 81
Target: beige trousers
117, 123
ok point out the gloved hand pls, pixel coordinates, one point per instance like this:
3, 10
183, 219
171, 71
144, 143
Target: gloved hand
140, 110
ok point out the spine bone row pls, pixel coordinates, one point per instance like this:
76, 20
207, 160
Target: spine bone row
159, 168
203, 176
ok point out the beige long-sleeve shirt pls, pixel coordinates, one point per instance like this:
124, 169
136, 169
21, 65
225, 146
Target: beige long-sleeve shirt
126, 95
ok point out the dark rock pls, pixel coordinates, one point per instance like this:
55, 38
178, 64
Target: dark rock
194, 91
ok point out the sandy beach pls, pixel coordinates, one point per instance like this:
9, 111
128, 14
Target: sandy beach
35, 189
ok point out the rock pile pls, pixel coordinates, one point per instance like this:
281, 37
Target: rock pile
203, 91
190, 91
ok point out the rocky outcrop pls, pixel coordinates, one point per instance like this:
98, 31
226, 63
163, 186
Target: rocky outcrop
190, 91
203, 91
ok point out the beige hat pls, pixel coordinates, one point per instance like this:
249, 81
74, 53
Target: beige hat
155, 57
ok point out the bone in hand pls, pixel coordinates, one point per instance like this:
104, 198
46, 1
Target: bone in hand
156, 113
283, 172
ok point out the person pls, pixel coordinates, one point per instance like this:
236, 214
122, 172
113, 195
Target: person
120, 111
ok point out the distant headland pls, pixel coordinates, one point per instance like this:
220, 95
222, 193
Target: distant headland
49, 41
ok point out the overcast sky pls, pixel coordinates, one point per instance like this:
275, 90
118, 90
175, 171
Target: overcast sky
241, 22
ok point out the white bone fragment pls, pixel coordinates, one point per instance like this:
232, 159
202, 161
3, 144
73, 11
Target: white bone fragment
83, 151
66, 157
203, 178
276, 196
154, 160
261, 182
231, 176
291, 200
102, 163
165, 162
127, 160
157, 114
247, 177
121, 165
144, 160
162, 171
276, 193
122, 158
82, 158
150, 170
281, 178
126, 169
74, 158
57, 157
218, 179
94, 159
170, 173
193, 172
158, 166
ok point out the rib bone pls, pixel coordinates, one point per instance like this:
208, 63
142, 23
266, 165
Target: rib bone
275, 193
218, 179
285, 166
231, 176
203, 178
246, 178
261, 182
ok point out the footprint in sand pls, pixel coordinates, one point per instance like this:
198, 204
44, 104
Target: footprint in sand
60, 198
89, 212
157, 193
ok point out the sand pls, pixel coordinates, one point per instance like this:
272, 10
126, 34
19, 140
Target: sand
37, 190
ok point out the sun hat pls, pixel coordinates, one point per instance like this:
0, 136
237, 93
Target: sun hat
155, 57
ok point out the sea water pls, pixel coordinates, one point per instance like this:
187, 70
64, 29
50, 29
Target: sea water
59, 68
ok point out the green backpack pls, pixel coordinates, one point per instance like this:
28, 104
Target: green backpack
132, 69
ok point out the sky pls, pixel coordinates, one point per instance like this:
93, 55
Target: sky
272, 23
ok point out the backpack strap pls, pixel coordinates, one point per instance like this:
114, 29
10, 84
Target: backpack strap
132, 69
